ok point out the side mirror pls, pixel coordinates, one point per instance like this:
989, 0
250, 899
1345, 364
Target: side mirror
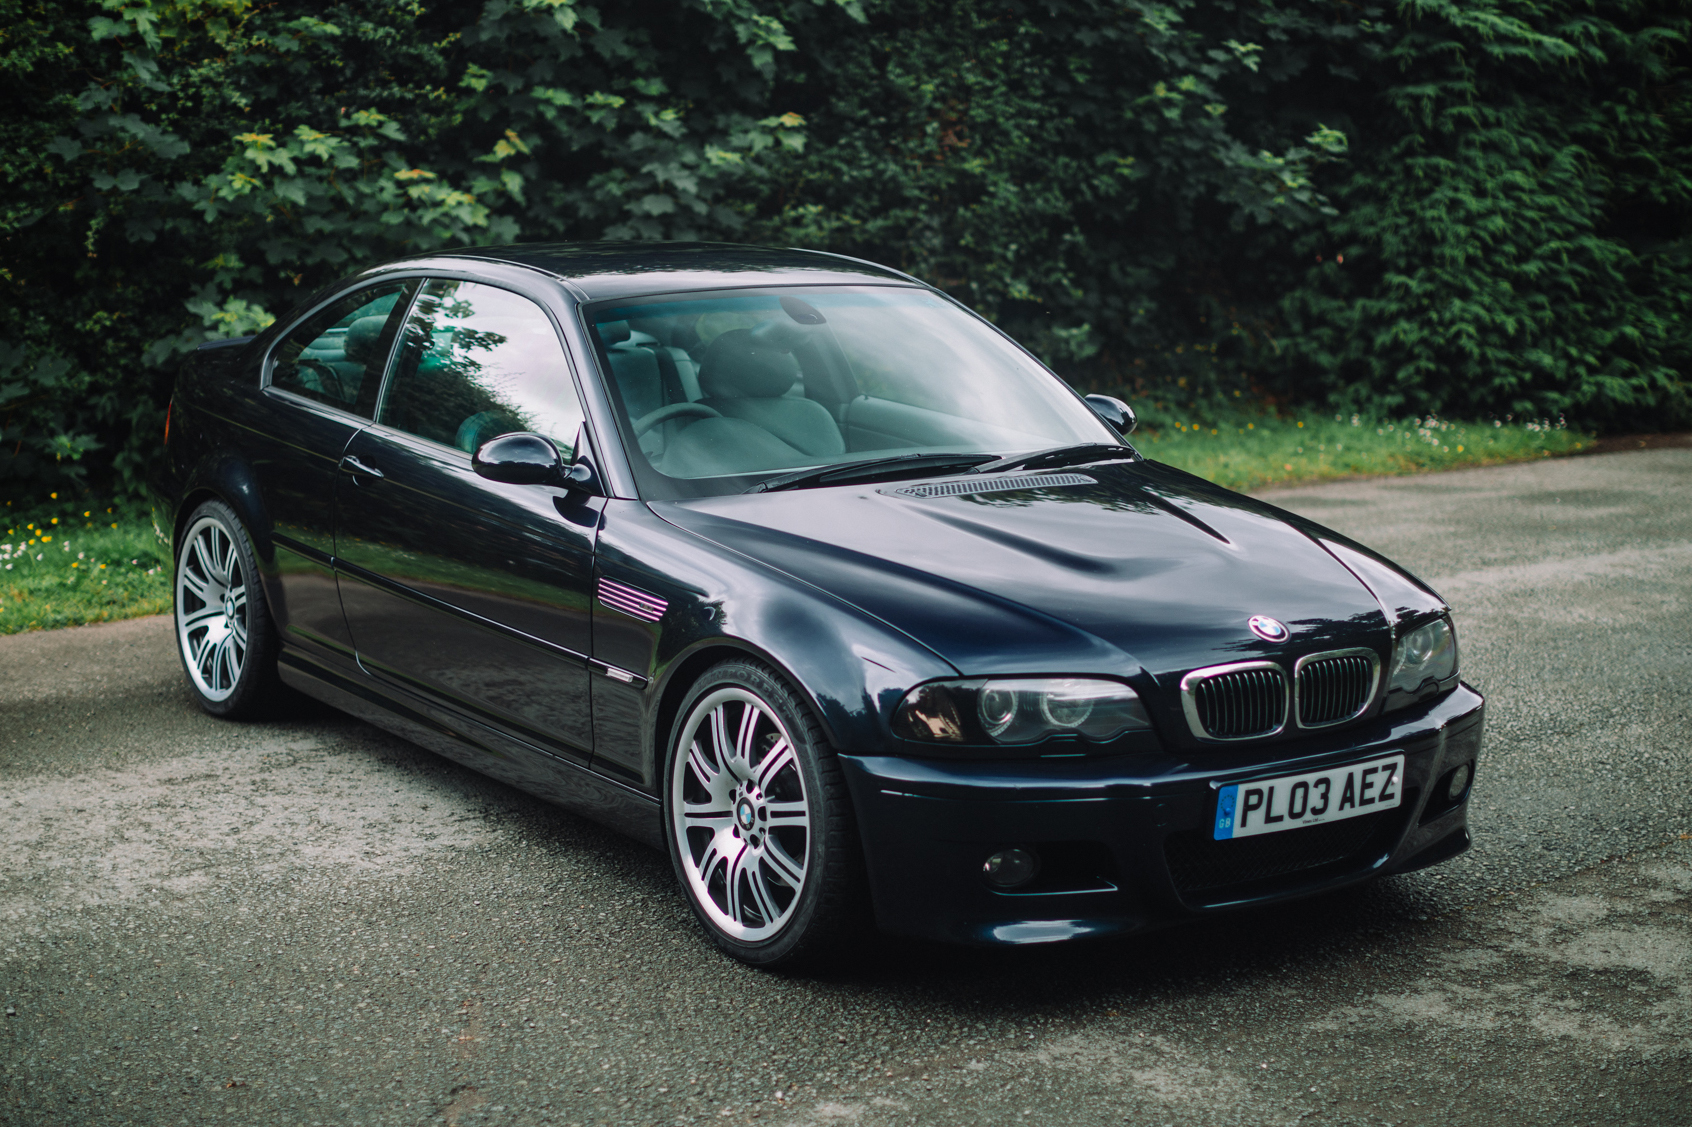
529, 459
1115, 412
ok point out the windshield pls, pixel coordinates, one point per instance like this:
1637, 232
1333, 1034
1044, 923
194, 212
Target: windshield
717, 392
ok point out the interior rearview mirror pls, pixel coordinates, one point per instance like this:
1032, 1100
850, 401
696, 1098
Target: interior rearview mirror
1115, 412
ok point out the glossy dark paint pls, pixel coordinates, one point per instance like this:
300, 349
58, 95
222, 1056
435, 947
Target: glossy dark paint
476, 630
493, 618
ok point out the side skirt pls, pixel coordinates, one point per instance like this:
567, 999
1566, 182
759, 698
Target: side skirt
528, 768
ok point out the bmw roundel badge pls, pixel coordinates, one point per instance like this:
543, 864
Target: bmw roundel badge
1269, 629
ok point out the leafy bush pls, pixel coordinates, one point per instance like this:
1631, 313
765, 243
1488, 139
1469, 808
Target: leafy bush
1515, 236
1394, 207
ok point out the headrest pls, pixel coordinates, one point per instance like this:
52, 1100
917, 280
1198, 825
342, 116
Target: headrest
363, 335
613, 332
736, 367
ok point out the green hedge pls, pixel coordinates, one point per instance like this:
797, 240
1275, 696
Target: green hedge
1477, 208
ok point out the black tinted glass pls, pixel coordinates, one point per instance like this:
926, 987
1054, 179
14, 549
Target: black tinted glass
477, 362
337, 356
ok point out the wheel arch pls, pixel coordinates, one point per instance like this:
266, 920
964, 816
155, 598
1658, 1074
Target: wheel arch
685, 672
231, 480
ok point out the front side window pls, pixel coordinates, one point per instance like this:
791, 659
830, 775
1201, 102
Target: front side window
337, 355
718, 391
476, 362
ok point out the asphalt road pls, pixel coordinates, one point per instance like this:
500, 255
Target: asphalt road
314, 923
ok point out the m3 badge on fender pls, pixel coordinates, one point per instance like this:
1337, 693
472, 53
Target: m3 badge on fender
1269, 629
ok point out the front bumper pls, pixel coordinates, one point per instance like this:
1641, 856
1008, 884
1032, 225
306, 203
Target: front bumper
1126, 840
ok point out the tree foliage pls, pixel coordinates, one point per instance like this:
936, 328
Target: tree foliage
1516, 231
1390, 205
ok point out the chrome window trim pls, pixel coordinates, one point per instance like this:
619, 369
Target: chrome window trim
1189, 705
1374, 687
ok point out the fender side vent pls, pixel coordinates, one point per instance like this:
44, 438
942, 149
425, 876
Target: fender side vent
631, 601
991, 485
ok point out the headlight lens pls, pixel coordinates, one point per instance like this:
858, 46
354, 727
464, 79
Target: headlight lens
1019, 710
1427, 654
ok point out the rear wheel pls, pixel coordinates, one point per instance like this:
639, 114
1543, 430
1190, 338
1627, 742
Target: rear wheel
224, 632
759, 823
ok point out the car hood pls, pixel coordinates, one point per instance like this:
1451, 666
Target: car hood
1132, 566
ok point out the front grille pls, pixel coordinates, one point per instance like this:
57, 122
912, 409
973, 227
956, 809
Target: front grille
1238, 704
1199, 863
1332, 690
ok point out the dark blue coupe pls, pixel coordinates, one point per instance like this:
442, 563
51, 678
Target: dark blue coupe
790, 565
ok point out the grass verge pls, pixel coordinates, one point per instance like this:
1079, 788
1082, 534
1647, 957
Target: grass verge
63, 566
1250, 452
73, 566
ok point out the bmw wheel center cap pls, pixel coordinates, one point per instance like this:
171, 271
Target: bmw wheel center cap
1269, 629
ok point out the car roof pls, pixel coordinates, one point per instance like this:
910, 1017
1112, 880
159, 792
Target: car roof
626, 269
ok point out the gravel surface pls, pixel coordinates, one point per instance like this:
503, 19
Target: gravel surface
313, 922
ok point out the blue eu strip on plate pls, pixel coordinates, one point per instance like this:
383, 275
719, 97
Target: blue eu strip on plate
1225, 800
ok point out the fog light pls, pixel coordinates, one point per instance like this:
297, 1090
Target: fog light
1459, 782
1011, 868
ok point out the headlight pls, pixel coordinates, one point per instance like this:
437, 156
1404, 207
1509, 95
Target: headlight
1019, 710
1424, 658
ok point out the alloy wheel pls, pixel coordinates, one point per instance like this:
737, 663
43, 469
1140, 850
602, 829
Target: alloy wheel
740, 814
211, 608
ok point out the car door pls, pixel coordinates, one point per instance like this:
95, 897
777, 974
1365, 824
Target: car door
320, 389
472, 593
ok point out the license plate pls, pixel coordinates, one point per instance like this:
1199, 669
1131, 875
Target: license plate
1287, 803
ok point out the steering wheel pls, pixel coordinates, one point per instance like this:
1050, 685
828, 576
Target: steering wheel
328, 377
673, 411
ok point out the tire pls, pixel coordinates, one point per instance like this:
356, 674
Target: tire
759, 822
224, 632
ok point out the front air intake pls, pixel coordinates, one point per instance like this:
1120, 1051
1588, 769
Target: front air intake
1245, 701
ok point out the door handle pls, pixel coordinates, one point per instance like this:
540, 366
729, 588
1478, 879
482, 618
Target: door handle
353, 465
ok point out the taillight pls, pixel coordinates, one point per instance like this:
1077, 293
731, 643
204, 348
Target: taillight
168, 406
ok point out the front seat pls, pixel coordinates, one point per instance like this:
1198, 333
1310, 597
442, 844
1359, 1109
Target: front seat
744, 380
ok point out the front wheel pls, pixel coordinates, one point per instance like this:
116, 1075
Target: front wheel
758, 820
224, 632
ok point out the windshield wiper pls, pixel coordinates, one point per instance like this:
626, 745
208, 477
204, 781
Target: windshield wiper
1060, 456
871, 469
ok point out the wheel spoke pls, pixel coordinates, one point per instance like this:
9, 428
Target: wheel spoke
719, 735
715, 856
197, 585
748, 733
231, 563
737, 871
195, 619
207, 661
202, 555
762, 902
789, 814
704, 773
707, 816
779, 756
231, 663
783, 863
